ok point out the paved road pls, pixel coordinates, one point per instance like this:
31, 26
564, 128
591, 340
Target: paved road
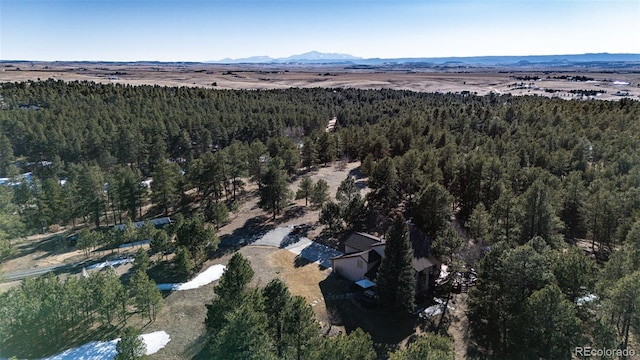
283, 238
19, 275
280, 237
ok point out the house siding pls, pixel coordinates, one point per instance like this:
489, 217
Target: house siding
349, 269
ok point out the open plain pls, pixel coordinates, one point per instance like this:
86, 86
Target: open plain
567, 82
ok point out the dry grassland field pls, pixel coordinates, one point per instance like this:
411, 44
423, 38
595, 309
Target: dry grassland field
534, 80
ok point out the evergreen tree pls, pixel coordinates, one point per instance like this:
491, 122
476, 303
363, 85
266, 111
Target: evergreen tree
396, 277
6, 154
196, 237
141, 260
243, 335
383, 182
357, 345
552, 326
347, 190
432, 209
538, 214
309, 153
90, 190
183, 261
216, 212
237, 163
572, 213
330, 215
320, 193
428, 347
276, 300
145, 294
355, 213
131, 346
301, 329
256, 161
230, 292
274, 192
160, 242
367, 166
504, 215
479, 223
305, 189
575, 273
410, 175
327, 149
164, 188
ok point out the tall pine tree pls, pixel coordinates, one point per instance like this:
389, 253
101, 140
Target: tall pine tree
396, 277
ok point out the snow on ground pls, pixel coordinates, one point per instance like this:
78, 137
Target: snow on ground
210, 275
155, 341
585, 299
106, 350
112, 263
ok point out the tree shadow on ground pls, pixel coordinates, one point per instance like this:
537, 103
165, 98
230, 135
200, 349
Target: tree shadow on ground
292, 212
252, 230
26, 348
53, 244
197, 350
165, 272
356, 173
343, 309
332, 239
299, 261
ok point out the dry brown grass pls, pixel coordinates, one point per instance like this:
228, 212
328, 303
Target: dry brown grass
473, 79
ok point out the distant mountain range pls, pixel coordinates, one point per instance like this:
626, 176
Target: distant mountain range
315, 57
309, 57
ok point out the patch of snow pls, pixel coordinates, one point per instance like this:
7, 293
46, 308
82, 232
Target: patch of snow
585, 299
208, 276
110, 263
620, 83
95, 350
106, 350
155, 341
434, 310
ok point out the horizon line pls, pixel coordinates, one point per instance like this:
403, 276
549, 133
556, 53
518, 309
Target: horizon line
354, 58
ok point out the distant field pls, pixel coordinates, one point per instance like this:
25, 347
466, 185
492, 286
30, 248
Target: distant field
599, 83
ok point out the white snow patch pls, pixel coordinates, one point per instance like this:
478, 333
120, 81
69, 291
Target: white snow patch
620, 83
155, 341
106, 350
585, 299
208, 276
112, 263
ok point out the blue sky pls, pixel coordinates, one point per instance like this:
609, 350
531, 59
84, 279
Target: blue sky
201, 30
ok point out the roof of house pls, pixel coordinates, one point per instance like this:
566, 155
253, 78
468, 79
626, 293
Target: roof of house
423, 263
361, 241
157, 222
367, 255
